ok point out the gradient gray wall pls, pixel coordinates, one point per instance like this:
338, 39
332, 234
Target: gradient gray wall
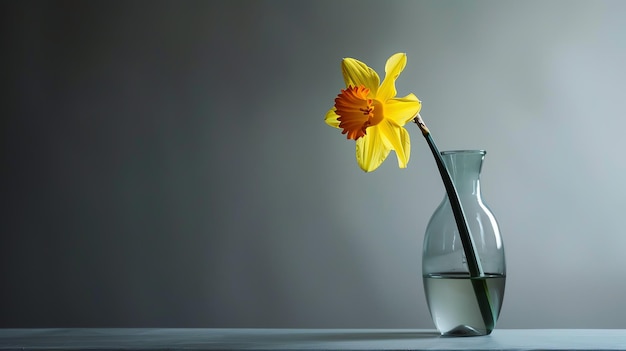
166, 164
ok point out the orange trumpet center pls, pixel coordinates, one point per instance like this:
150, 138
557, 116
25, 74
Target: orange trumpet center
357, 112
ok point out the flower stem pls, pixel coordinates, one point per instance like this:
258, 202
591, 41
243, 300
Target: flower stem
477, 275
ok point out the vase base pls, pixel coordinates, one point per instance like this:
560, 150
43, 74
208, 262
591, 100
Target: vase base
465, 330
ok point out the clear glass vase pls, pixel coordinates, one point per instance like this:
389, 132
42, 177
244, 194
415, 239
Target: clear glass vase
461, 305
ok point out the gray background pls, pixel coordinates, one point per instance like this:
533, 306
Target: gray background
166, 164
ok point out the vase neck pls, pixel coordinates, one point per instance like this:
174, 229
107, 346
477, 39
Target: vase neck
464, 167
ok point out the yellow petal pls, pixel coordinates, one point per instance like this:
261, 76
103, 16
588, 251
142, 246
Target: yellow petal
371, 150
356, 73
398, 139
331, 118
394, 66
402, 110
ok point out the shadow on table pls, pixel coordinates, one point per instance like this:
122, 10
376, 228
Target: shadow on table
320, 339
364, 335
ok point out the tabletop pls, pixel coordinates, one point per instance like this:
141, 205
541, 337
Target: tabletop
306, 339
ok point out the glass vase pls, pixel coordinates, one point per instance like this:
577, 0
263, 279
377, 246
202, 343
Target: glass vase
459, 304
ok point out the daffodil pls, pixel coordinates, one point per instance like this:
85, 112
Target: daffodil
374, 117
371, 113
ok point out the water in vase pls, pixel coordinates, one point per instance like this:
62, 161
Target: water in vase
453, 304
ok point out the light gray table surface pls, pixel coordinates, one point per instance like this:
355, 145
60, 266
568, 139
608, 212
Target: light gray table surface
307, 339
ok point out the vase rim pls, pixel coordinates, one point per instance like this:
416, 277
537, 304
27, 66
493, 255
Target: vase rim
451, 152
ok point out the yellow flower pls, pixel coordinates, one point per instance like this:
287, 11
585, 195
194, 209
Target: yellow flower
372, 114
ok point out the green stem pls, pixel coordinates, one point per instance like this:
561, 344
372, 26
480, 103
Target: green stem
475, 268
477, 275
